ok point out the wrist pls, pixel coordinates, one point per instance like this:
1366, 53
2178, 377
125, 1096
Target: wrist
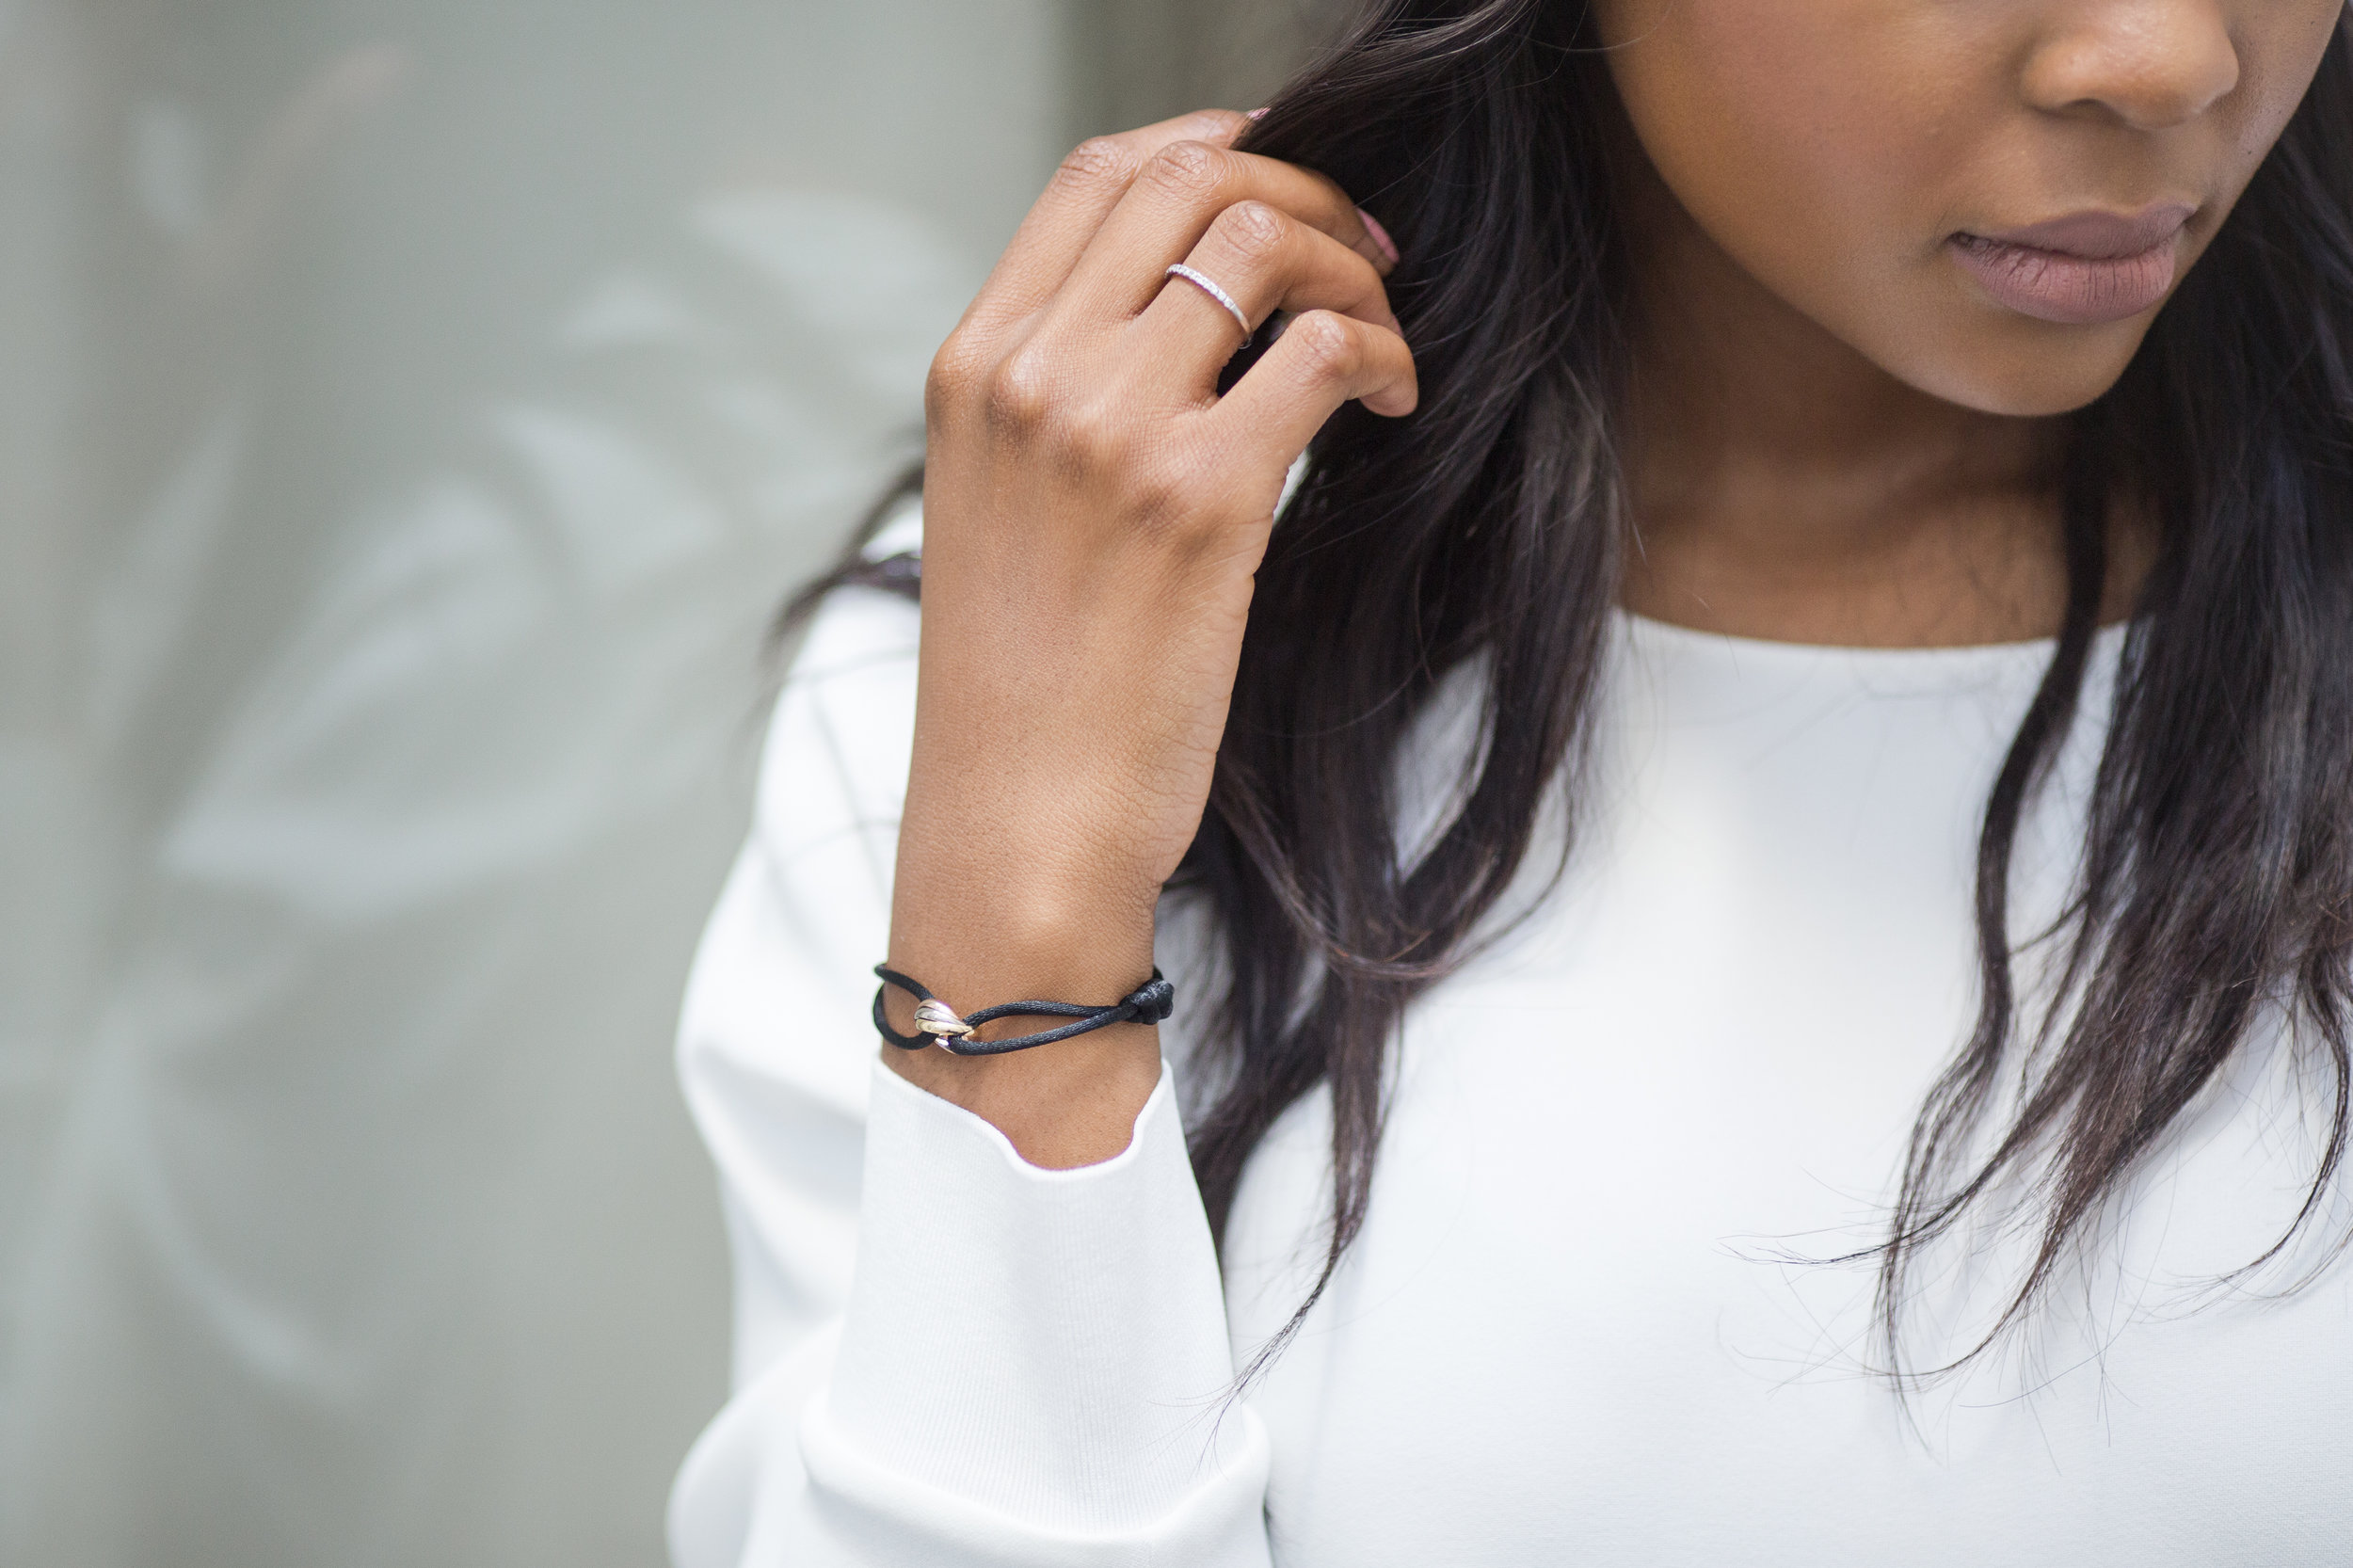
968, 965
980, 928
1069, 1103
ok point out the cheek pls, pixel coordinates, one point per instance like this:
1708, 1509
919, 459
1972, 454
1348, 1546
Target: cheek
2278, 62
1830, 148
1810, 138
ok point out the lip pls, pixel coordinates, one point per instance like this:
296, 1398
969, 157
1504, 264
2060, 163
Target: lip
2084, 269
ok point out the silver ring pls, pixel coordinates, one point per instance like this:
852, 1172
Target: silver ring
1208, 285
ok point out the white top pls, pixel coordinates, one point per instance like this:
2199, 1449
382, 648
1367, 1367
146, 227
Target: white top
1572, 1331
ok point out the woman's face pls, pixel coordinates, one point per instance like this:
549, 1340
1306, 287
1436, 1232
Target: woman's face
1988, 199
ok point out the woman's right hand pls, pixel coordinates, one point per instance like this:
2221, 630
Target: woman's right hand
1093, 516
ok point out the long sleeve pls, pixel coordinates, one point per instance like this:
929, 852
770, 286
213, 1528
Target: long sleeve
944, 1356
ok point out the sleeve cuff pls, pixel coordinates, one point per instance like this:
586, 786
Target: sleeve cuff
1047, 1347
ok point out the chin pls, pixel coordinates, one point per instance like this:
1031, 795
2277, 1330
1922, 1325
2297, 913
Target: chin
2032, 372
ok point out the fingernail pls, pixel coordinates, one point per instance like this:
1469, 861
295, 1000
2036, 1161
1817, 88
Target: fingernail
1257, 114
1380, 235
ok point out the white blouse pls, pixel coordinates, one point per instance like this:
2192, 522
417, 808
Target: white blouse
1586, 1320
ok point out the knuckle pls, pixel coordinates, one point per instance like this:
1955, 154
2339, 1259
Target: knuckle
1158, 490
1089, 442
1252, 230
1328, 344
1188, 168
1095, 162
1019, 396
943, 392
954, 372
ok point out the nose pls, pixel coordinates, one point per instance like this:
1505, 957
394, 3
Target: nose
2152, 64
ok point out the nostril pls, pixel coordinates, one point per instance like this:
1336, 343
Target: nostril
2152, 75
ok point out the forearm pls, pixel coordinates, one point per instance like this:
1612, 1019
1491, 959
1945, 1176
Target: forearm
1017, 881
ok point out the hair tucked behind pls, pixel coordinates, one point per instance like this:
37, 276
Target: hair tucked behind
2217, 877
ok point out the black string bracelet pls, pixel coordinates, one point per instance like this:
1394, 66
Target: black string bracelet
938, 1023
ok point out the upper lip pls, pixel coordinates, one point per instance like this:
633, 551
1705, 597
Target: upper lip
2096, 237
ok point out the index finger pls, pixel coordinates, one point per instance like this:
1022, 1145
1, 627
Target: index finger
1090, 182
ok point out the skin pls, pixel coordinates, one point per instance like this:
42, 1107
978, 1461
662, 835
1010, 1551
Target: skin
1835, 433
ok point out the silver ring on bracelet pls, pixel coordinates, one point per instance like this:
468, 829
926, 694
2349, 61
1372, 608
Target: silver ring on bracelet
1208, 285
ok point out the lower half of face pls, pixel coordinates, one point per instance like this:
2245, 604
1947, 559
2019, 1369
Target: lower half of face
1991, 199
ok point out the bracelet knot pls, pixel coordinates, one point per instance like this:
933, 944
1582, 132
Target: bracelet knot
1154, 1001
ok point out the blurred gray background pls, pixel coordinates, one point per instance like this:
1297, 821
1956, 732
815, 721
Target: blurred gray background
409, 412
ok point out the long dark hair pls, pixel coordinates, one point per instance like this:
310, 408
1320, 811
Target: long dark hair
2216, 883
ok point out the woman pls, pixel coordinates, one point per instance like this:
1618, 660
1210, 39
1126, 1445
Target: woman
1758, 873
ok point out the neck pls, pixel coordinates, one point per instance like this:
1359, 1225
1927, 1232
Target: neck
1784, 487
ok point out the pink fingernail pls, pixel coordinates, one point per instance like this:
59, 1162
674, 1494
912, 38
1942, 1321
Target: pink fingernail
1380, 235
1257, 114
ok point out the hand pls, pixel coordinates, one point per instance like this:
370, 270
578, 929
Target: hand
1093, 516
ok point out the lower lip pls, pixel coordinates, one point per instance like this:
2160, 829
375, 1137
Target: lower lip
2075, 291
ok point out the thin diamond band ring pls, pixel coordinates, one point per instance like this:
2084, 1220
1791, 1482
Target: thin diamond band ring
1208, 285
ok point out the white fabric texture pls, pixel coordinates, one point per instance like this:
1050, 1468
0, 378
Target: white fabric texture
1584, 1322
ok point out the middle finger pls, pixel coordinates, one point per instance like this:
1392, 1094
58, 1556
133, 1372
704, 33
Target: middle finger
1171, 205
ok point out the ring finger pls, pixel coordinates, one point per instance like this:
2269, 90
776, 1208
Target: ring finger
1254, 261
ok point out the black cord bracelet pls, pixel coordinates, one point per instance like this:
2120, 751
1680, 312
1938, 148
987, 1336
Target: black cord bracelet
938, 1023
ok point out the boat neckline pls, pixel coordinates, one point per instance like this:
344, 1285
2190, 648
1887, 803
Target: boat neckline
1665, 630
